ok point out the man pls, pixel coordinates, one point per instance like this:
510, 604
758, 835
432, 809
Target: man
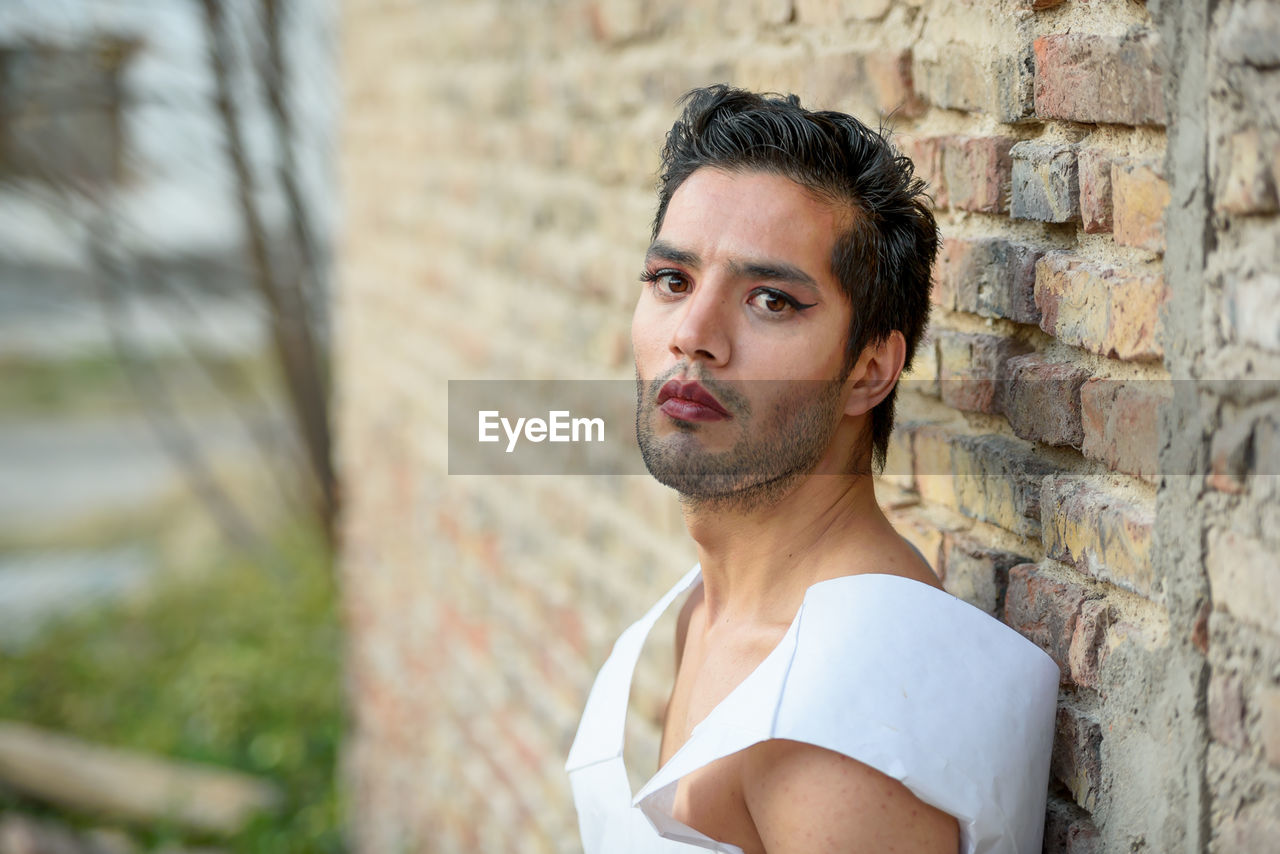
828, 696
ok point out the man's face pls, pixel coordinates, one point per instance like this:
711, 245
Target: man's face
739, 338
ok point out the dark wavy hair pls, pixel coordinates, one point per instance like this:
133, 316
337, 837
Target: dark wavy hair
882, 262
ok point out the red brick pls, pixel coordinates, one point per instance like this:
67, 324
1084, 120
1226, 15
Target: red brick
1039, 5
1102, 79
926, 154
1041, 399
1226, 710
1107, 310
998, 480
978, 171
1069, 830
1121, 420
1089, 643
1245, 182
1094, 167
989, 276
977, 573
1046, 185
1139, 197
1077, 756
1045, 611
971, 368
889, 75
1099, 532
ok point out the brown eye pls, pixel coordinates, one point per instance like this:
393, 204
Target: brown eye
772, 302
666, 283
676, 284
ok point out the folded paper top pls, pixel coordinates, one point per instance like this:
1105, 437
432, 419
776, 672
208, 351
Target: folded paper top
894, 673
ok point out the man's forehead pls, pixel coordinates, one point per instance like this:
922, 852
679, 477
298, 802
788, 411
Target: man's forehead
716, 181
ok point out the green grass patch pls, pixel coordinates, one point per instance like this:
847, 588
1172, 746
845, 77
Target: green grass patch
90, 383
239, 666
101, 384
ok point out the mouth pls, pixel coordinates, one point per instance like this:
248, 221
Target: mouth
689, 401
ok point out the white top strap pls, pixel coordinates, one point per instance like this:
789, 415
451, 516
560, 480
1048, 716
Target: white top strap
603, 728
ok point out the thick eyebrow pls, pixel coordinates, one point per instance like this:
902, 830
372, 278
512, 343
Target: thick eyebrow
664, 250
775, 271
770, 270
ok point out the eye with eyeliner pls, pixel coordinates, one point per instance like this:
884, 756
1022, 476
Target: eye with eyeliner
792, 305
654, 279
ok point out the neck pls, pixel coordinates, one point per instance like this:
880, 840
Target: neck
759, 559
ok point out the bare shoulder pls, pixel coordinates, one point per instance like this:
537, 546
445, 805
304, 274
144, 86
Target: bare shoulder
890, 554
804, 798
903, 559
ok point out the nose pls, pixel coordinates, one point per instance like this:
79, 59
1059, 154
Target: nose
702, 333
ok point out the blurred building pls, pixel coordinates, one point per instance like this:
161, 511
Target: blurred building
1087, 448
115, 99
122, 240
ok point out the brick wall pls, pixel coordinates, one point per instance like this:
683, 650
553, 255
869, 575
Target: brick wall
1108, 267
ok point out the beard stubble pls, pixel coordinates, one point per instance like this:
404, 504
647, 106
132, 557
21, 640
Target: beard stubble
775, 448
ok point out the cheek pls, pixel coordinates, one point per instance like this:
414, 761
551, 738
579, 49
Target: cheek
643, 335
818, 354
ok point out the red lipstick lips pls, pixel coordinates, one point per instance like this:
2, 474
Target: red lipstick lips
689, 401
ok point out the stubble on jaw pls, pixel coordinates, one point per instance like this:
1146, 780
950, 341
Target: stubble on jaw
774, 451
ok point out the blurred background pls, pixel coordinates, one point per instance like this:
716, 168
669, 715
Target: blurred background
170, 673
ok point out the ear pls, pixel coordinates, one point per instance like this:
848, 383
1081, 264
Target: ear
874, 374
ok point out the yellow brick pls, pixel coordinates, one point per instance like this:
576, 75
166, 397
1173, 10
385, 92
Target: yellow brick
1102, 533
931, 454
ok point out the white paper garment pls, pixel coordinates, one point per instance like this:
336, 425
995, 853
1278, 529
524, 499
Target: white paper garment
892, 672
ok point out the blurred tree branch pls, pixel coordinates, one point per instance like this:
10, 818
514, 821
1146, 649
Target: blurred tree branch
292, 333
277, 91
